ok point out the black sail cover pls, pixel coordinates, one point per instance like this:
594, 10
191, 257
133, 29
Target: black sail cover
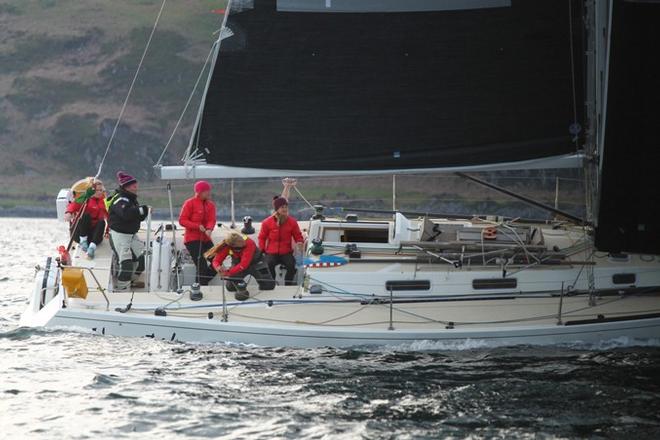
394, 84
629, 191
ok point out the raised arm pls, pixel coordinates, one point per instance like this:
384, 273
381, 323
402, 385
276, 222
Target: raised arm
288, 183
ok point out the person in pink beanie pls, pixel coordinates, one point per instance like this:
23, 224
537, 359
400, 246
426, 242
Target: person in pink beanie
198, 217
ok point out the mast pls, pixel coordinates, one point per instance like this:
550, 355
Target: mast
598, 25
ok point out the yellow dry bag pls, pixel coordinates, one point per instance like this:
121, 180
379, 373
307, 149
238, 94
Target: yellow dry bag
74, 283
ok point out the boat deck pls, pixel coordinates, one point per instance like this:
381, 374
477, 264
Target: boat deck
308, 318
292, 306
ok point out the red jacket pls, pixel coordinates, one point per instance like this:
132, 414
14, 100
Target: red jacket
244, 255
95, 208
195, 212
276, 239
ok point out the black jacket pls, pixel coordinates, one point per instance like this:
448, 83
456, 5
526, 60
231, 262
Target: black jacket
125, 213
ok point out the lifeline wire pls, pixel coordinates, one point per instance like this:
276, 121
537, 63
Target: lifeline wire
130, 89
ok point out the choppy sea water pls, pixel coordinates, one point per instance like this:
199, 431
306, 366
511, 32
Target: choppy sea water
71, 384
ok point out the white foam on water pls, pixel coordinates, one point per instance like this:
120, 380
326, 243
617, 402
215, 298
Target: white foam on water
451, 345
70, 328
610, 344
485, 344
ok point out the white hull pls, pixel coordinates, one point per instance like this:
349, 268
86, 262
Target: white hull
194, 330
277, 336
250, 328
451, 311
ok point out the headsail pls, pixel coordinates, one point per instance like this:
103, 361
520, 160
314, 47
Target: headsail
334, 86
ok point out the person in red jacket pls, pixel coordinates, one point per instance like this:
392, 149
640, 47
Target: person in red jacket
246, 260
198, 218
277, 234
92, 223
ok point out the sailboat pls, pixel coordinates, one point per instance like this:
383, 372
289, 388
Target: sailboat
332, 87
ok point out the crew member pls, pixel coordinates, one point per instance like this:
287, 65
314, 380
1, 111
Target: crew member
198, 218
277, 234
125, 216
88, 230
246, 259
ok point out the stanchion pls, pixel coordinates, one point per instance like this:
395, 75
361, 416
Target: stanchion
391, 327
561, 303
233, 212
147, 255
225, 315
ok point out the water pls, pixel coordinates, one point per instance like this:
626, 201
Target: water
66, 384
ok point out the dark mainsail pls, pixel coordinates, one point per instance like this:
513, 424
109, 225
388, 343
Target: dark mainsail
294, 88
629, 190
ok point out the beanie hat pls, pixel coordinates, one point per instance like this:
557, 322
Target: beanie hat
125, 179
278, 202
201, 186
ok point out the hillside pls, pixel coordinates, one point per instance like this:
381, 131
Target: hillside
65, 68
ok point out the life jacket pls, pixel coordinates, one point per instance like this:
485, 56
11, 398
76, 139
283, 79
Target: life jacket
110, 200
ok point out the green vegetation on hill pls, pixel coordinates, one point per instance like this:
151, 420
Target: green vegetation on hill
65, 68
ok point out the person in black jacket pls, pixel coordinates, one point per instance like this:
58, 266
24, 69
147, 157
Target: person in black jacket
125, 215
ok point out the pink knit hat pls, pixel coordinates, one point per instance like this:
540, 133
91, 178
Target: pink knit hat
125, 179
278, 202
201, 186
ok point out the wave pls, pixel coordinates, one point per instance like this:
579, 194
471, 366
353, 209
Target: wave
21, 333
484, 344
610, 344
